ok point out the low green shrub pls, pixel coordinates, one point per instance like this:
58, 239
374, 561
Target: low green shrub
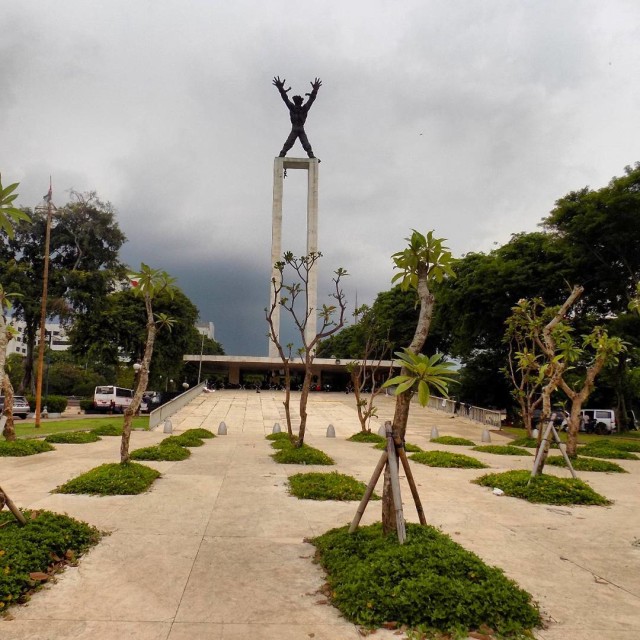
19, 448
327, 486
366, 436
86, 405
54, 404
200, 433
410, 448
446, 459
529, 443
112, 479
302, 455
543, 488
44, 546
281, 435
604, 451
503, 450
428, 582
587, 464
161, 452
462, 442
73, 437
108, 429
615, 443
184, 440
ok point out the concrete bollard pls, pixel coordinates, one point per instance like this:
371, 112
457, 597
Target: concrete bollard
168, 427
382, 431
534, 434
434, 433
276, 428
222, 429
486, 436
331, 432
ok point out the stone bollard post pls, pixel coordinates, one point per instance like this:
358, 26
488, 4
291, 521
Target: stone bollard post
168, 427
222, 429
276, 428
434, 433
331, 432
486, 436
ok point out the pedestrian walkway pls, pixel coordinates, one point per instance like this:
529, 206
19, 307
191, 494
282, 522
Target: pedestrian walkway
216, 550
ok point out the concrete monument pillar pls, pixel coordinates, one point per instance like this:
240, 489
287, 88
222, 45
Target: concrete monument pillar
279, 166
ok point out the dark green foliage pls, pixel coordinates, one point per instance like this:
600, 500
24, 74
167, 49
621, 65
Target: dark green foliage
45, 544
586, 464
429, 581
408, 447
288, 454
108, 430
503, 450
446, 459
112, 480
463, 442
366, 436
161, 452
86, 405
200, 433
524, 441
24, 447
185, 439
327, 486
54, 404
594, 450
73, 437
543, 488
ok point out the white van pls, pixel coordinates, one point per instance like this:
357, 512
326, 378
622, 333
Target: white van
112, 398
601, 421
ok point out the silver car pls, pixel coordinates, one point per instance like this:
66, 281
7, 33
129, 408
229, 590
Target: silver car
20, 406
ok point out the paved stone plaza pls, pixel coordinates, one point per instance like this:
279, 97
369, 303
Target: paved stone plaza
215, 550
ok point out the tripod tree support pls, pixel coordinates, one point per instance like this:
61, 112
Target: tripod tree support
549, 431
5, 499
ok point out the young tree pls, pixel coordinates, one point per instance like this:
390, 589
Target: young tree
424, 261
148, 283
296, 302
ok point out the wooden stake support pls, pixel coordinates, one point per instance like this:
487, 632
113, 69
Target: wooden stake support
549, 431
389, 458
5, 499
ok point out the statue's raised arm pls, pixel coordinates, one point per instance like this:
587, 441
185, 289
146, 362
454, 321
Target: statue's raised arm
279, 84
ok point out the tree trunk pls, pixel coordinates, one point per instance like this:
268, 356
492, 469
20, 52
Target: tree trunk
9, 431
389, 523
403, 401
304, 397
141, 387
4, 340
27, 384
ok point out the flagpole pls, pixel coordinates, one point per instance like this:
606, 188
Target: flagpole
43, 308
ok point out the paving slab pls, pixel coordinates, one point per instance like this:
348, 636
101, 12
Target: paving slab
216, 550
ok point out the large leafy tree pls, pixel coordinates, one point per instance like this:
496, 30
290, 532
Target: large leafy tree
84, 264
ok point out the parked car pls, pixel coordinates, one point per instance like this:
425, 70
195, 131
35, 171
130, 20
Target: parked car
600, 421
20, 406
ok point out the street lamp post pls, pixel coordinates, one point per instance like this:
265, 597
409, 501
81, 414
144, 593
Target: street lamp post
43, 307
201, 351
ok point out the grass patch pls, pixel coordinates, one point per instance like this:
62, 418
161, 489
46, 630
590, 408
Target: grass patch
462, 442
327, 486
503, 450
587, 464
28, 430
619, 445
73, 437
446, 459
366, 436
112, 480
288, 454
32, 553
108, 429
281, 435
410, 448
595, 450
430, 582
524, 441
161, 452
200, 433
20, 448
183, 440
544, 489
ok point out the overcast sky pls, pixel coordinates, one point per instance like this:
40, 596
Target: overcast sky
469, 117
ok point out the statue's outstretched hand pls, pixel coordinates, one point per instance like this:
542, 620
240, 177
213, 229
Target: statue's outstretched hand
316, 84
280, 84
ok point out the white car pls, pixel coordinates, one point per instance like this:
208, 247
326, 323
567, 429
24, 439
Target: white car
20, 406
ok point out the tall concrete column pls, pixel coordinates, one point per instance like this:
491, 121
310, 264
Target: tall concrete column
311, 166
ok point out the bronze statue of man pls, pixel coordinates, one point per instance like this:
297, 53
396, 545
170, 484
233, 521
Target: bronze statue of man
298, 112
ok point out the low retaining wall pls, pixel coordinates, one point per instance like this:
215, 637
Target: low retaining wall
477, 414
173, 406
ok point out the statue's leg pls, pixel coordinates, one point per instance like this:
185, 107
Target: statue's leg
288, 143
305, 144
